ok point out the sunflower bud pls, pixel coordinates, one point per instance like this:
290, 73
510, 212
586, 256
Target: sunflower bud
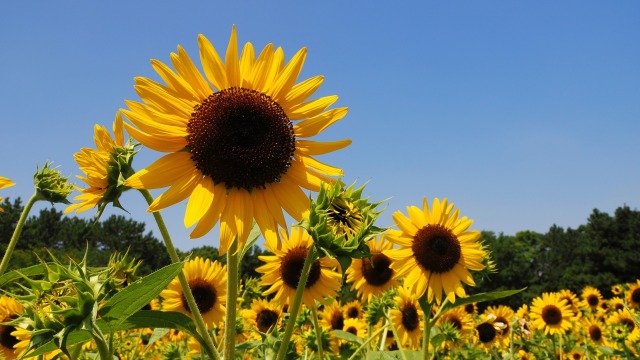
51, 186
341, 221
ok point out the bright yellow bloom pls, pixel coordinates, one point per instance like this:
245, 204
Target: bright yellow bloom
550, 314
4, 183
282, 270
236, 138
208, 282
372, 276
437, 250
633, 295
407, 318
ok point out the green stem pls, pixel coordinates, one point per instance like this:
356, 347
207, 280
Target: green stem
353, 356
232, 300
101, 343
396, 336
295, 306
186, 290
17, 232
76, 352
314, 318
426, 332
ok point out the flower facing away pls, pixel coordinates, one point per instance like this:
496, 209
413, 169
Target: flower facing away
208, 282
105, 167
437, 250
282, 271
407, 318
550, 314
4, 183
237, 138
373, 276
51, 185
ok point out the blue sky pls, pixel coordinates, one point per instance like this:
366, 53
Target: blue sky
524, 114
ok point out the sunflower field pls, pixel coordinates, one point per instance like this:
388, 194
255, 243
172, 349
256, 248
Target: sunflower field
238, 138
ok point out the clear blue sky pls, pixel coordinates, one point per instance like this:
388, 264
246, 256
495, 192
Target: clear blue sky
525, 114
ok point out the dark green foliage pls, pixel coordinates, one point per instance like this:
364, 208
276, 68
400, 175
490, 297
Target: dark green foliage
69, 236
602, 253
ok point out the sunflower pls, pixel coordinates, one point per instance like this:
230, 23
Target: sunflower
23, 339
622, 317
264, 315
459, 319
355, 327
104, 169
372, 276
616, 304
502, 315
487, 330
617, 289
572, 300
208, 283
4, 183
282, 270
353, 310
407, 318
437, 250
591, 298
233, 147
551, 315
10, 309
594, 330
633, 295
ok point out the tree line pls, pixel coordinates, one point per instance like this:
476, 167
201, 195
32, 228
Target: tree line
603, 252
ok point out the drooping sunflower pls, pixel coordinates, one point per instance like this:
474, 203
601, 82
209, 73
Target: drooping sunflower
373, 276
236, 138
282, 270
4, 183
104, 168
407, 318
208, 282
551, 315
437, 250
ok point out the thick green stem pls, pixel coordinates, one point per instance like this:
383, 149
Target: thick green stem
17, 232
426, 333
294, 307
186, 290
314, 318
232, 300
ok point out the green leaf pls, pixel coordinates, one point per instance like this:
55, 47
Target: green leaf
253, 237
138, 294
345, 335
157, 334
478, 298
394, 355
14, 275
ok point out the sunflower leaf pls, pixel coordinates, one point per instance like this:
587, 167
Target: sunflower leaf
140, 293
345, 335
478, 298
14, 275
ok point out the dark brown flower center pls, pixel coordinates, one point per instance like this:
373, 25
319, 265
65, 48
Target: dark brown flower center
291, 268
551, 315
436, 248
6, 339
628, 323
470, 309
352, 329
376, 270
337, 320
241, 138
410, 318
454, 321
593, 300
635, 296
266, 319
595, 333
204, 293
486, 332
618, 306
353, 312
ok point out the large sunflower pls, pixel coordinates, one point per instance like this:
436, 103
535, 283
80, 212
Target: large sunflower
282, 270
102, 167
4, 183
208, 282
551, 315
235, 138
372, 276
437, 250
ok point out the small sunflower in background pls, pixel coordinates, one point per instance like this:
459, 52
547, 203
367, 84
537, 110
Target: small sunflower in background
265, 316
353, 310
591, 298
487, 331
238, 138
633, 295
407, 318
501, 314
550, 314
208, 282
281, 271
332, 317
4, 183
617, 289
372, 276
594, 330
437, 250
105, 169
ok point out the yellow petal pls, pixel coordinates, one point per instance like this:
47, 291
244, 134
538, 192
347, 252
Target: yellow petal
212, 64
261, 68
404, 224
174, 81
199, 201
211, 217
292, 198
190, 73
179, 190
301, 91
317, 124
231, 60
246, 65
287, 78
163, 172
157, 142
318, 166
309, 147
311, 108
